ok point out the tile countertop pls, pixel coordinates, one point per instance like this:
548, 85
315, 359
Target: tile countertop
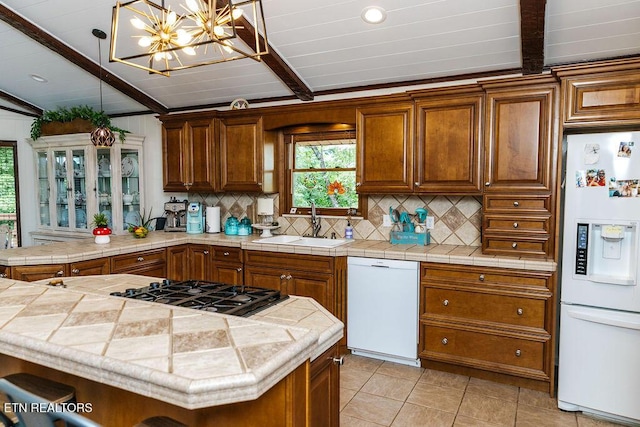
80, 250
185, 357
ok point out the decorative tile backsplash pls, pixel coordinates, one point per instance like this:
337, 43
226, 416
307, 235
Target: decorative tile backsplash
457, 218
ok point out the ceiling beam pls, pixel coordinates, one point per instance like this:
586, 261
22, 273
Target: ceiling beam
24, 104
45, 39
247, 33
532, 35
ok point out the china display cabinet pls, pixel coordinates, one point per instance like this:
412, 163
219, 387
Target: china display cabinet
76, 180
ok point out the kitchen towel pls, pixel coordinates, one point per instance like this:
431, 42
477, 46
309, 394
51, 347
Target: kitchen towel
212, 219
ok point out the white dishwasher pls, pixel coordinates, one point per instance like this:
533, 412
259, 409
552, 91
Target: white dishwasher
382, 309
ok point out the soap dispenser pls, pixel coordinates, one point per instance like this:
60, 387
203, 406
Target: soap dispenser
348, 231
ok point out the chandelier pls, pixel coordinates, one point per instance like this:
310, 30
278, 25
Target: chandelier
160, 39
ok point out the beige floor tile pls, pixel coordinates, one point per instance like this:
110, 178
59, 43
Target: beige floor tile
462, 421
347, 421
539, 399
530, 416
375, 409
361, 363
391, 387
587, 421
400, 371
481, 407
491, 389
446, 399
345, 396
354, 379
445, 379
421, 416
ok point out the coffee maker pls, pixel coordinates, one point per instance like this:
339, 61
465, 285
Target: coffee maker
176, 212
195, 218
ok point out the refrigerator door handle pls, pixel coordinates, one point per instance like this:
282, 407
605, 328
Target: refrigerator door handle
613, 320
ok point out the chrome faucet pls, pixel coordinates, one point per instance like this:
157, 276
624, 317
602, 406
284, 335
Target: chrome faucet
315, 221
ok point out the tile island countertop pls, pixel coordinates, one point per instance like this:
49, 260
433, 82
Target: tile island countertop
85, 249
186, 357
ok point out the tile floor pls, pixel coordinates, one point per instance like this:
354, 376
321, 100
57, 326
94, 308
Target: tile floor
374, 393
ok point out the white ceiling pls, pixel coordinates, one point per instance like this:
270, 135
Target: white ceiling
325, 43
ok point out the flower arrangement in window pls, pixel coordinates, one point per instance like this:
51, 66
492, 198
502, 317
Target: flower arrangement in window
335, 187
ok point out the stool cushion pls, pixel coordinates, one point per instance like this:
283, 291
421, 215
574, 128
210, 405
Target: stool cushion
47, 389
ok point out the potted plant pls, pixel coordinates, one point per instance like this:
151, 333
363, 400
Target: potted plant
85, 116
101, 230
141, 230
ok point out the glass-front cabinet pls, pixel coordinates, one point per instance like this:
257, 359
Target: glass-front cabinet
76, 180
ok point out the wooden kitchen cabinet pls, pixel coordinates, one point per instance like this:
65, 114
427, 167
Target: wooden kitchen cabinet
520, 169
448, 141
324, 389
5, 272
178, 262
190, 158
384, 148
90, 267
242, 154
32, 273
204, 262
494, 323
227, 265
602, 94
147, 263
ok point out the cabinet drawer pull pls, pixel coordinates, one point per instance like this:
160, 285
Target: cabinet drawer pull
283, 276
338, 360
520, 312
3, 275
486, 184
358, 184
518, 353
206, 252
60, 273
514, 245
445, 302
516, 203
481, 278
239, 269
226, 254
417, 184
75, 271
140, 259
515, 225
445, 341
289, 277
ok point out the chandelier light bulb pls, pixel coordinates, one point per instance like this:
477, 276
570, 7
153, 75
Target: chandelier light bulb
171, 18
183, 37
189, 50
137, 22
193, 5
218, 31
144, 41
236, 13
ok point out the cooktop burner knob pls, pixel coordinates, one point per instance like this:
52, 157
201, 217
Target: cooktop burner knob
154, 285
130, 292
166, 282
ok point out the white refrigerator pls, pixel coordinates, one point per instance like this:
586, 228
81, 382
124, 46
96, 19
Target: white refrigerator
599, 354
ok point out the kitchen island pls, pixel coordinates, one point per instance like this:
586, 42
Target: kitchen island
135, 359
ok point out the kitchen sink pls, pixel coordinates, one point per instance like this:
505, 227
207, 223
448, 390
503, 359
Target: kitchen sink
316, 242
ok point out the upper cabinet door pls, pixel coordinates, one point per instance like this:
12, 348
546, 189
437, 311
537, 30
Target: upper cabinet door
384, 146
203, 158
241, 154
521, 125
174, 148
448, 144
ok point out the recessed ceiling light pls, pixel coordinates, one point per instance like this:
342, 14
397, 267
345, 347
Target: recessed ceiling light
38, 78
373, 14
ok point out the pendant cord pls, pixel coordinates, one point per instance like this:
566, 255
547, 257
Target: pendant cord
100, 72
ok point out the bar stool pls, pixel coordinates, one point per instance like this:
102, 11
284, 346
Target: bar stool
45, 389
160, 422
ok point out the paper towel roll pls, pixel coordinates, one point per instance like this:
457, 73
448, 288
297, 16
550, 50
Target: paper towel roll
212, 219
265, 206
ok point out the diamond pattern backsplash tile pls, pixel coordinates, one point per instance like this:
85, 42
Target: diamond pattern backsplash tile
457, 218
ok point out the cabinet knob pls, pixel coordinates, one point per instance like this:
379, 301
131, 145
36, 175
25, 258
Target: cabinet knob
3, 275
518, 353
60, 273
239, 269
417, 184
358, 184
140, 259
445, 341
289, 277
481, 278
520, 311
206, 252
515, 225
283, 276
516, 203
75, 271
226, 254
338, 360
445, 302
514, 245
486, 184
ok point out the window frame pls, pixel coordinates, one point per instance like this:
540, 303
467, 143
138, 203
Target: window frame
316, 133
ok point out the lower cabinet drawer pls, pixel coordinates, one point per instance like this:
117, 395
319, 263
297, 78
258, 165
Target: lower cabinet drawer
516, 224
131, 263
515, 246
480, 349
511, 310
226, 254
